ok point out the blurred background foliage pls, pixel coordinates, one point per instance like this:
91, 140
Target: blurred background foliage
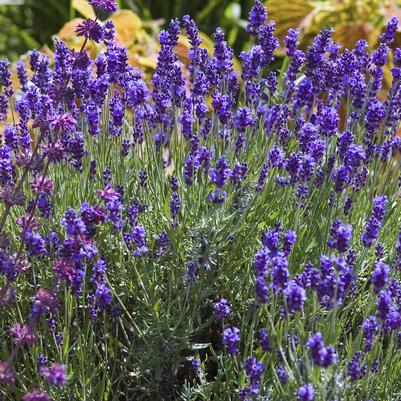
27, 24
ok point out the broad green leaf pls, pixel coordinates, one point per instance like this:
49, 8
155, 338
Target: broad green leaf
200, 345
84, 8
12, 2
67, 32
233, 11
349, 33
128, 25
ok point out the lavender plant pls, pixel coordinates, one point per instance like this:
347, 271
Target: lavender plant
208, 237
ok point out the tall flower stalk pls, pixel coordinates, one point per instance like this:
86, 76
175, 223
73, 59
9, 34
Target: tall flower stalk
212, 235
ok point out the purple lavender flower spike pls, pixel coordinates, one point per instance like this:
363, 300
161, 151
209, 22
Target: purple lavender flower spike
23, 334
231, 338
36, 395
105, 6
254, 370
55, 375
264, 341
282, 375
295, 296
90, 29
222, 309
321, 355
340, 236
7, 376
196, 364
370, 327
379, 276
257, 17
306, 393
375, 221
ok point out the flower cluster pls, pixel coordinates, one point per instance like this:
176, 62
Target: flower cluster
321, 355
231, 222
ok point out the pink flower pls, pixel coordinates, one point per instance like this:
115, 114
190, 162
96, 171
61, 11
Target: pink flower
56, 374
6, 374
44, 302
23, 334
28, 222
64, 269
63, 122
42, 184
36, 395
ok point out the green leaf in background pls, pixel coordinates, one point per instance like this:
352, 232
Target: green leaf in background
84, 8
12, 2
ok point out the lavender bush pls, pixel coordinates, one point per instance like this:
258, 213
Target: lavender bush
210, 236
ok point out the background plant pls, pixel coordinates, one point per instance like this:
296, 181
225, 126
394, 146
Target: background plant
205, 236
33, 22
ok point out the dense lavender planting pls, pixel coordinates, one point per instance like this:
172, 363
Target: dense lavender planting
210, 236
